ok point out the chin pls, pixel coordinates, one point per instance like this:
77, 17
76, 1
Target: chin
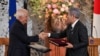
25, 24
68, 23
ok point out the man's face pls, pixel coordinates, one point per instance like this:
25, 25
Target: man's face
70, 18
24, 19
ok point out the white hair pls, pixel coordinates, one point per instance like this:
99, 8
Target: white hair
20, 12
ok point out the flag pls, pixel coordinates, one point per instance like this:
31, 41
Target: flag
96, 19
12, 11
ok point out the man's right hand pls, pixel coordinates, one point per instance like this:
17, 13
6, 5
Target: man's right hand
43, 35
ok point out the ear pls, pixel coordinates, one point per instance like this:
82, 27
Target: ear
20, 17
73, 16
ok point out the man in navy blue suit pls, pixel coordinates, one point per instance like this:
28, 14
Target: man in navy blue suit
19, 40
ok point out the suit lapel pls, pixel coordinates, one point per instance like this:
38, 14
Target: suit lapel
76, 26
69, 34
74, 30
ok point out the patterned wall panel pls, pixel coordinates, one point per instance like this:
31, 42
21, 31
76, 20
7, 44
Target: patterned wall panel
4, 20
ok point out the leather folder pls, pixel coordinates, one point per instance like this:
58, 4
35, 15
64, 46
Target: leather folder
59, 42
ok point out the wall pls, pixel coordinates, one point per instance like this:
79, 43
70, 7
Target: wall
4, 20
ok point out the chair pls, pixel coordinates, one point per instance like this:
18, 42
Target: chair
93, 47
4, 41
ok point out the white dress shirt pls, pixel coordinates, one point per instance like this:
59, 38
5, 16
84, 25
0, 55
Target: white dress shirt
73, 25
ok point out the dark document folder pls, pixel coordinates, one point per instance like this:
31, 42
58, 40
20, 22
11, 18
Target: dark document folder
58, 42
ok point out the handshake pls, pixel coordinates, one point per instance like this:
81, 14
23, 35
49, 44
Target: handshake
39, 47
43, 35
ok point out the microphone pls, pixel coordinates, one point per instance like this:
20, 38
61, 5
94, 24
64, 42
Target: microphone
95, 31
91, 39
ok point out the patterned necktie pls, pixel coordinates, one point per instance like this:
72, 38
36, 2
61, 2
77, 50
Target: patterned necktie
71, 29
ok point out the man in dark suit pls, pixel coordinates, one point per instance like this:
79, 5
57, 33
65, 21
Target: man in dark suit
76, 34
19, 40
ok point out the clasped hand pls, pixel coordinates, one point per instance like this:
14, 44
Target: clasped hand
43, 35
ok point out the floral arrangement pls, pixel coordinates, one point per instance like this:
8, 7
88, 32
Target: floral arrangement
50, 7
54, 13
36, 7
58, 8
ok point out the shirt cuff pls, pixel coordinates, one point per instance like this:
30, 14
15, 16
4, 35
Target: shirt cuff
49, 34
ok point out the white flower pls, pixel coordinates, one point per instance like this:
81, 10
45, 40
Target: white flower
63, 5
70, 3
62, 9
66, 9
40, 16
60, 16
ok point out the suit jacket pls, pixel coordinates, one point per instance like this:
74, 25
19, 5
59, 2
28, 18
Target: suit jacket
78, 37
19, 40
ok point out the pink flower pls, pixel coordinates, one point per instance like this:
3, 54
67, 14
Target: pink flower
54, 6
72, 1
49, 6
56, 11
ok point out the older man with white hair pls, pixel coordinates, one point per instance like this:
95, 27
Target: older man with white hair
19, 40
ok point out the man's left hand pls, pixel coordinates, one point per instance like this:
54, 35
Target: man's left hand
69, 45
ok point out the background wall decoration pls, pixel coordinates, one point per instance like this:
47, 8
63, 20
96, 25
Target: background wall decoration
4, 18
4, 22
19, 4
